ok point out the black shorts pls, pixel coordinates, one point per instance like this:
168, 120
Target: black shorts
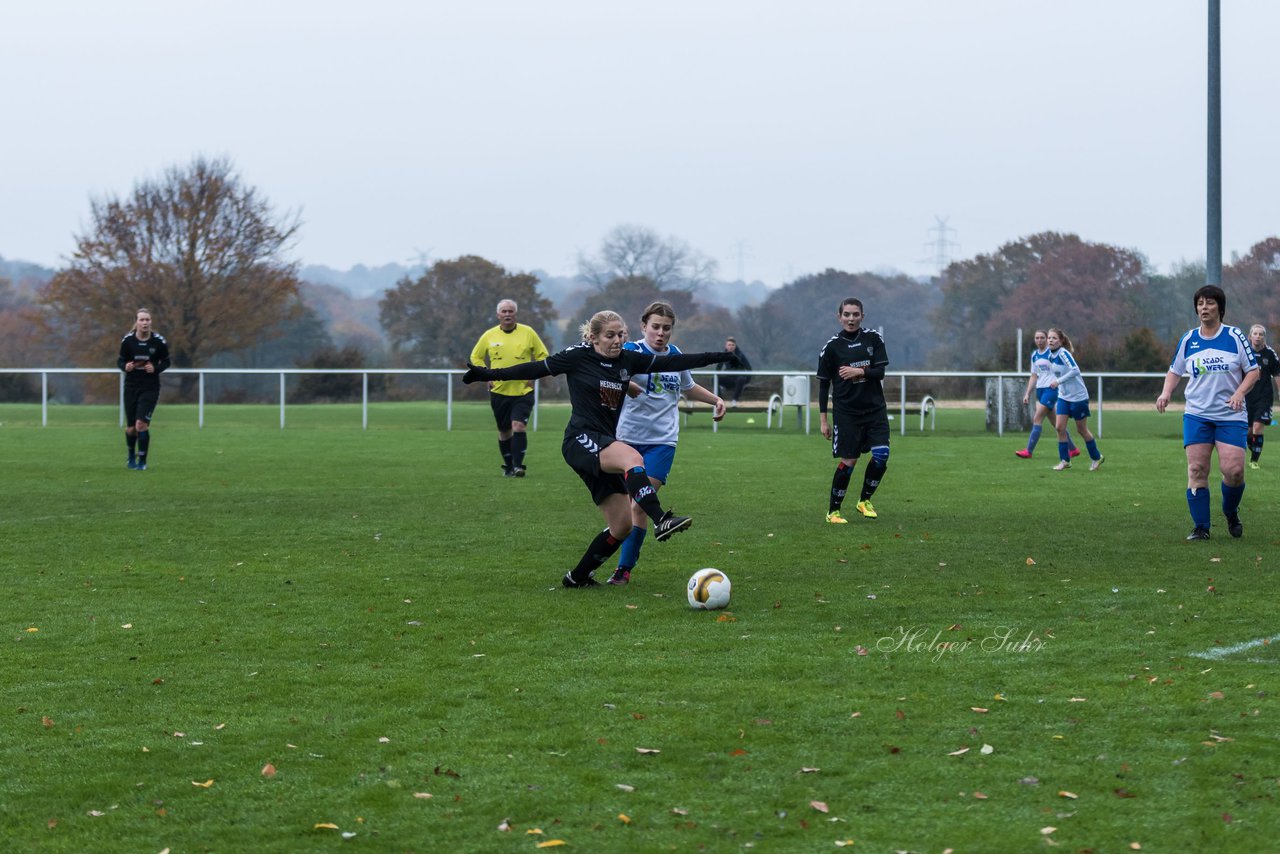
582, 452
855, 435
1259, 413
139, 404
508, 408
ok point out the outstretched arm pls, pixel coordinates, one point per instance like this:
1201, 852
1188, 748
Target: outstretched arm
680, 361
525, 371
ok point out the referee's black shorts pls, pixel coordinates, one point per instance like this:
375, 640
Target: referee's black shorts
510, 407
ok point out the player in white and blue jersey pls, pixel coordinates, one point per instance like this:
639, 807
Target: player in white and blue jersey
650, 422
1046, 396
1073, 400
1220, 367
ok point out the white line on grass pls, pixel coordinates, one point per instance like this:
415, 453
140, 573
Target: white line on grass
1223, 651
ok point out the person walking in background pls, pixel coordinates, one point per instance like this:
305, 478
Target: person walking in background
1046, 395
144, 355
510, 343
597, 372
1073, 400
733, 386
1221, 369
650, 422
1261, 397
851, 368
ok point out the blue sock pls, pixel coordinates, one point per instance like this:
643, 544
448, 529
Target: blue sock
1231, 496
1062, 452
1092, 445
1198, 503
630, 554
1035, 437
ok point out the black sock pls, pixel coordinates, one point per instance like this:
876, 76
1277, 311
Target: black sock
1257, 447
643, 493
504, 448
519, 443
871, 478
144, 442
131, 439
839, 486
601, 549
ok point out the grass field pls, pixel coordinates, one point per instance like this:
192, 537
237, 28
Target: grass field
1009, 659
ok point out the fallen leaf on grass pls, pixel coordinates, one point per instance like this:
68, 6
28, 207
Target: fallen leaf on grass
268, 770
1030, 562
324, 825
624, 818
47, 721
980, 796
1124, 793
1078, 700
624, 787
959, 752
505, 827
810, 770
987, 750
96, 813
1047, 830
423, 796
861, 650
842, 843
205, 785
978, 709
550, 843
32, 629
819, 806
679, 811
645, 751
1065, 794
533, 831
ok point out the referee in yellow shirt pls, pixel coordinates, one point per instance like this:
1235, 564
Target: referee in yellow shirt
510, 343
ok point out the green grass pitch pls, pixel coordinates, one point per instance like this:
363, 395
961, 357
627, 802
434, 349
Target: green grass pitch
1008, 659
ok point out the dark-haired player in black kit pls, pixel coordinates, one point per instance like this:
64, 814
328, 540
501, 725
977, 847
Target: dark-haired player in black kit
852, 365
597, 372
144, 355
1261, 397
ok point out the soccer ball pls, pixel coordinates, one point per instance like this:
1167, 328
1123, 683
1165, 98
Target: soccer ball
709, 589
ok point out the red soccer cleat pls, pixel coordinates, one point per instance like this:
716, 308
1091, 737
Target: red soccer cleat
1024, 453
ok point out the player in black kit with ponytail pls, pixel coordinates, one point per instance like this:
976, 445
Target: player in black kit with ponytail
144, 355
597, 372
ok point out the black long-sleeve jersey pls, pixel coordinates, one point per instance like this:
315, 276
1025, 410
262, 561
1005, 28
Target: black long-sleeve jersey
1262, 395
864, 349
154, 350
597, 384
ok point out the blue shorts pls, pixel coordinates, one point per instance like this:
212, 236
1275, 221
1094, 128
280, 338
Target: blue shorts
1202, 431
657, 460
1076, 410
1047, 396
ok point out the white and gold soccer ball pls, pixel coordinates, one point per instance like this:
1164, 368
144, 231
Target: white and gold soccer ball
709, 590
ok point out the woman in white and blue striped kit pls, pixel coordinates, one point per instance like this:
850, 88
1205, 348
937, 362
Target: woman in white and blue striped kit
1221, 369
1046, 396
1073, 400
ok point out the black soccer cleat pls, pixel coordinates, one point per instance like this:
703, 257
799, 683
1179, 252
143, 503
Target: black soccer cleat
1199, 534
670, 524
518, 471
571, 582
1234, 527
508, 472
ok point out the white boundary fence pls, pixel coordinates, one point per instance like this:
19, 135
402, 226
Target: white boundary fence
1096, 402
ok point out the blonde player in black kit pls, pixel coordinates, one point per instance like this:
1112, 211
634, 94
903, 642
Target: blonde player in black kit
851, 367
597, 372
144, 355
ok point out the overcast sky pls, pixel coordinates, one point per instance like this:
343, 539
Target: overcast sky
779, 138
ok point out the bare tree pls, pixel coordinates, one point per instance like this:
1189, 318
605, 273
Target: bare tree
198, 247
635, 252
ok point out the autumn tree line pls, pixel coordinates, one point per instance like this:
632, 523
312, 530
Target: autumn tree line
209, 256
